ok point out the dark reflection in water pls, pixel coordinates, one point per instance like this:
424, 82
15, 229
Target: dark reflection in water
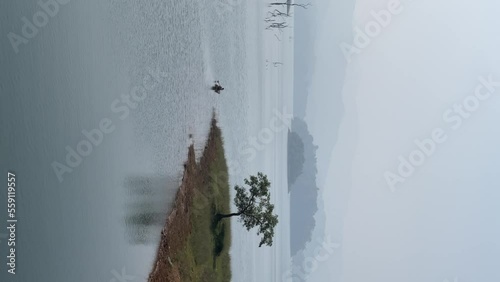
147, 204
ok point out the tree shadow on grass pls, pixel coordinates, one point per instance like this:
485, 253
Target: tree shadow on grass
218, 229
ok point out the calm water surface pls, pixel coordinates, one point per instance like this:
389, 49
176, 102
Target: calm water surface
79, 70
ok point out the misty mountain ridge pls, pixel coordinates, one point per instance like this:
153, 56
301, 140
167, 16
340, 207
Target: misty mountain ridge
302, 186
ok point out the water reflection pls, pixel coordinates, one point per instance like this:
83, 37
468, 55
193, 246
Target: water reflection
149, 199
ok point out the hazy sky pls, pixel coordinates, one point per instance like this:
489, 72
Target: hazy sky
441, 223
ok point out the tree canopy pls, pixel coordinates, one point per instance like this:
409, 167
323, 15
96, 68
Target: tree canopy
254, 207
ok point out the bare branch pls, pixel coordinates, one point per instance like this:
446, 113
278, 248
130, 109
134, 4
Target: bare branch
277, 25
304, 6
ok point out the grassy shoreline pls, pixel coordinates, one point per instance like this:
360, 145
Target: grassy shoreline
193, 246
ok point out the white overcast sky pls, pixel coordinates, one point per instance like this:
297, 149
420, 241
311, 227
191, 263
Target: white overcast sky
443, 222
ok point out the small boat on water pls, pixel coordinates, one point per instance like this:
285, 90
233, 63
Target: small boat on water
217, 87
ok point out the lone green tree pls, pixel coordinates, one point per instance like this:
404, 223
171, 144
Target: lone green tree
255, 208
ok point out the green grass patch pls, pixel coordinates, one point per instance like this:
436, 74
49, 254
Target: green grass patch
206, 254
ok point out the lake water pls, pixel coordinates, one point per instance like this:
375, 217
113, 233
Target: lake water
142, 71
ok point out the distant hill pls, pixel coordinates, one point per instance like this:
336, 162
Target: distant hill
303, 191
295, 157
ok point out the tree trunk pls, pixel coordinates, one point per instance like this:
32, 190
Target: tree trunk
221, 216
